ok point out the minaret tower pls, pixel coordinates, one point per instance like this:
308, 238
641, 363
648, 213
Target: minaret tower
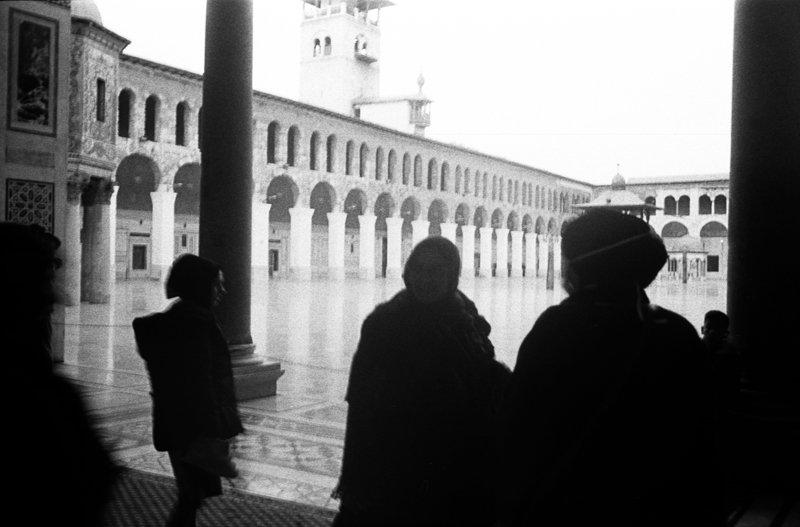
339, 52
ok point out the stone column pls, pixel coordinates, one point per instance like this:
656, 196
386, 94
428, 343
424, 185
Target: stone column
449, 231
162, 233
542, 255
765, 170
336, 223
516, 253
467, 251
226, 196
300, 242
394, 247
502, 253
96, 240
530, 255
112, 233
486, 252
551, 265
71, 244
366, 243
419, 231
260, 241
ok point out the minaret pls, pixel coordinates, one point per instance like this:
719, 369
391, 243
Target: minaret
339, 52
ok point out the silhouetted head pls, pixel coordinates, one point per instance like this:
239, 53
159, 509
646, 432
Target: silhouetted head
715, 327
605, 247
197, 280
432, 270
28, 265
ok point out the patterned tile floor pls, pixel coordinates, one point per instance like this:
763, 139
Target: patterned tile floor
292, 447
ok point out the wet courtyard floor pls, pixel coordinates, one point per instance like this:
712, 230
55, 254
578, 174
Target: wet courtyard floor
293, 442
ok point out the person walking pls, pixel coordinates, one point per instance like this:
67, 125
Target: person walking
194, 404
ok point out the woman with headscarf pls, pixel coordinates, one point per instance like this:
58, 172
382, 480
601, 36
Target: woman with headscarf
192, 380
422, 400
607, 420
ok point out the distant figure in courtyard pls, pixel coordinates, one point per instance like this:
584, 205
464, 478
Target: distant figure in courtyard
423, 398
608, 419
194, 404
63, 474
723, 359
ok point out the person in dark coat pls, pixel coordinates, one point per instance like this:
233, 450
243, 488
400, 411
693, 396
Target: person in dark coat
423, 397
190, 371
608, 419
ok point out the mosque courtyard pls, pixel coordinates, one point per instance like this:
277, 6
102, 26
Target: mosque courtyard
292, 447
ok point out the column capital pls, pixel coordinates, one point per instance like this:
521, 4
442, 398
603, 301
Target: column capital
76, 184
98, 191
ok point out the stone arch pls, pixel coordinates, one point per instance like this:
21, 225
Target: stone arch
480, 217
674, 229
539, 227
485, 184
418, 170
713, 229
323, 197
651, 200
314, 148
527, 223
409, 211
293, 138
125, 105
152, 109
391, 167
273, 133
513, 221
282, 194
497, 219
363, 161
379, 164
432, 174
462, 216
437, 214
459, 180
684, 206
187, 189
721, 204
552, 226
384, 208
406, 169
670, 206
444, 180
704, 204
355, 205
330, 154
494, 188
137, 176
349, 157
182, 113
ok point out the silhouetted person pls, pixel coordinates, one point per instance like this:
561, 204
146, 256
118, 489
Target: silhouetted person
423, 396
192, 380
61, 474
608, 419
723, 360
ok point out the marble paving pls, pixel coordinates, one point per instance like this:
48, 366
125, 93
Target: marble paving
292, 447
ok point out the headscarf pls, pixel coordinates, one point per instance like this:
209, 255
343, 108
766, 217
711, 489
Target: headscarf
446, 250
191, 277
605, 247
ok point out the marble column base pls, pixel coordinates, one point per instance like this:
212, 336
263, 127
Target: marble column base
366, 273
336, 273
253, 377
516, 273
485, 273
301, 273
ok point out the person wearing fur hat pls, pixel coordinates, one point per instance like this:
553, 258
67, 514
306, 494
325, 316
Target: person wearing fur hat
193, 393
608, 418
423, 396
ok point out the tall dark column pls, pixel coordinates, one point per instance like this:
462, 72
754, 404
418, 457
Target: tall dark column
763, 295
227, 157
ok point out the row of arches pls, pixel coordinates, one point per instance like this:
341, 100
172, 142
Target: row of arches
682, 205
712, 229
410, 170
152, 118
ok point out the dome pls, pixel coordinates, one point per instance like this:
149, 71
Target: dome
618, 182
86, 9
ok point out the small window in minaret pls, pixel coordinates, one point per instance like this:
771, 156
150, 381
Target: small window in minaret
101, 100
360, 45
317, 48
327, 50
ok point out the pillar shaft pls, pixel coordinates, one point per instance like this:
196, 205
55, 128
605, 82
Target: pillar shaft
300, 241
468, 251
542, 269
260, 241
765, 170
449, 231
71, 290
336, 228
419, 231
486, 252
530, 254
162, 233
516, 253
226, 196
557, 256
394, 247
501, 270
366, 243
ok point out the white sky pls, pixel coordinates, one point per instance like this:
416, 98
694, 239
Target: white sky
569, 86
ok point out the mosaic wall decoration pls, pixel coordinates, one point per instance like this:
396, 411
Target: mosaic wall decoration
30, 203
